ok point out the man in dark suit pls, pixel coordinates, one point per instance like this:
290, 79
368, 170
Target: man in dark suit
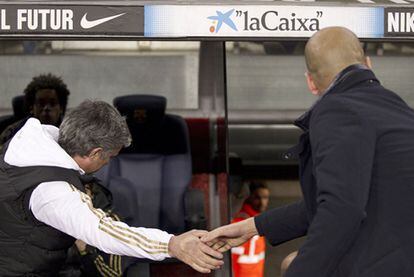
356, 158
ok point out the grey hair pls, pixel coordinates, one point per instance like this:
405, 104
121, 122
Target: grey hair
93, 124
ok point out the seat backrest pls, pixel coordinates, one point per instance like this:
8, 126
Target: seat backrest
5, 121
19, 112
158, 162
19, 109
122, 204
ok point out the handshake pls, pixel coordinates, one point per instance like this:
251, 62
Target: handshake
203, 250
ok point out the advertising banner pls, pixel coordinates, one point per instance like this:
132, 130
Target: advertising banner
260, 21
74, 19
399, 22
203, 21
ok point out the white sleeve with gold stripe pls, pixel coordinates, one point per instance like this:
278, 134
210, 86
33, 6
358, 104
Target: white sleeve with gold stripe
69, 210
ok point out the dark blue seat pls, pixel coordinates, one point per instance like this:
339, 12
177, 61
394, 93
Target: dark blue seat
19, 112
156, 167
123, 204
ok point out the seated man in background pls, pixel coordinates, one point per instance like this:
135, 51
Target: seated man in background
45, 207
249, 259
45, 97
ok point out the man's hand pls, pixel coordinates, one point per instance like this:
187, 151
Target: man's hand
229, 236
188, 248
80, 245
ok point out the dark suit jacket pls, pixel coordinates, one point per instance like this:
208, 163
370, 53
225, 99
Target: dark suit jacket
357, 176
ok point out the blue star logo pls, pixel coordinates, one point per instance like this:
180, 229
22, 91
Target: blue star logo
223, 18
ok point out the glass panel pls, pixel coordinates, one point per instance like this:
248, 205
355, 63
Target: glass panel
269, 76
263, 82
267, 91
179, 178
104, 70
393, 65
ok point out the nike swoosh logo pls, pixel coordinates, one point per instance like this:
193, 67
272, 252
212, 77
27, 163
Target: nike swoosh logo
87, 24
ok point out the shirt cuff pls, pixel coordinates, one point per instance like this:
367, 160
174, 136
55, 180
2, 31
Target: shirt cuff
167, 241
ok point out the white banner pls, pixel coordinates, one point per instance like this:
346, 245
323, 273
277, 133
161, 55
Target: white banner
259, 21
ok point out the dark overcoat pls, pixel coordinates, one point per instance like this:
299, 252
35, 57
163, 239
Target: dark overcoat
356, 159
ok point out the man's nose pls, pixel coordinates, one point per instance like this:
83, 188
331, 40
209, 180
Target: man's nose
47, 107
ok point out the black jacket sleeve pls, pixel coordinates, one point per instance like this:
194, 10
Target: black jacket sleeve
284, 223
343, 147
97, 263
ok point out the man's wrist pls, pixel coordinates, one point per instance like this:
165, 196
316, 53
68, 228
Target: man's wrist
171, 246
250, 226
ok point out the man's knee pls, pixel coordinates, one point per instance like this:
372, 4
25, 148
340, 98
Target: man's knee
287, 261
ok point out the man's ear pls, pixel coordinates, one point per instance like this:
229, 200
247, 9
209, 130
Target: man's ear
368, 62
311, 84
95, 153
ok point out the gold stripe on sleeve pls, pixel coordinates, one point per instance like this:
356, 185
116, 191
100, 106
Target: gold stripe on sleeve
119, 264
106, 267
132, 235
72, 187
126, 235
100, 269
111, 262
133, 243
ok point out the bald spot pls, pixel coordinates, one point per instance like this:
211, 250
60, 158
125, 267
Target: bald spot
329, 51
